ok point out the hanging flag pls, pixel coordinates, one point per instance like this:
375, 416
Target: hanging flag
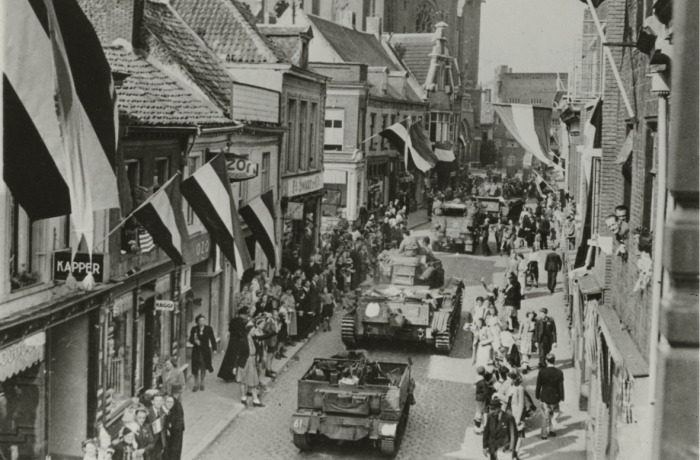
592, 136
542, 186
530, 126
60, 122
208, 192
412, 140
443, 151
163, 222
259, 214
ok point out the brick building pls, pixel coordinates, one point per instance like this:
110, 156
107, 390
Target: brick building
615, 148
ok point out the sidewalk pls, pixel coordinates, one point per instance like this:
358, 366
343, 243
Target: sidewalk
208, 413
570, 442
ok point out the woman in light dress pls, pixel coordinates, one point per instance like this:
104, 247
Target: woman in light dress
483, 347
527, 330
522, 269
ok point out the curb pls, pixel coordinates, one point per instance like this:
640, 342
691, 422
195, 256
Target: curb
220, 427
417, 224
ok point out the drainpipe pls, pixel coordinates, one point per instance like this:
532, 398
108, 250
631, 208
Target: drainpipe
657, 274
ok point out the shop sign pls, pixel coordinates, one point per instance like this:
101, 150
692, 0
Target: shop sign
295, 211
240, 169
165, 305
20, 356
163, 285
197, 248
80, 266
304, 184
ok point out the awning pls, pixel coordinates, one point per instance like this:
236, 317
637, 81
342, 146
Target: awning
626, 149
444, 152
20, 356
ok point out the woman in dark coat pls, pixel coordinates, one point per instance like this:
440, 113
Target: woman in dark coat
236, 340
175, 424
204, 345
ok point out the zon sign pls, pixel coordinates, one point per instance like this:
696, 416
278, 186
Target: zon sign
240, 169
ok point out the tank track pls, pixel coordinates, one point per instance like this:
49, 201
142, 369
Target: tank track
347, 332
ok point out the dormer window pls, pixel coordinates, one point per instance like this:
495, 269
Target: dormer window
304, 57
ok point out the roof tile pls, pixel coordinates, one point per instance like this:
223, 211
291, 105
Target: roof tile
230, 30
149, 97
415, 50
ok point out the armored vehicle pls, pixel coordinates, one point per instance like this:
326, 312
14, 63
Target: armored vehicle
406, 313
349, 398
453, 228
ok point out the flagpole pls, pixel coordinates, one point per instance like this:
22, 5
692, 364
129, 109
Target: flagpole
120, 224
375, 135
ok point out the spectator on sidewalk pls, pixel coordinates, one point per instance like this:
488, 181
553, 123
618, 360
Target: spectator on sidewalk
546, 336
552, 265
170, 377
203, 346
175, 424
236, 339
156, 418
512, 292
526, 334
550, 392
482, 397
500, 434
248, 372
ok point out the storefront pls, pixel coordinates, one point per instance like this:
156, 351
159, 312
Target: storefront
301, 209
378, 184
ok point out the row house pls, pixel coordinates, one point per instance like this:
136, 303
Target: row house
277, 62
450, 119
98, 348
366, 93
631, 186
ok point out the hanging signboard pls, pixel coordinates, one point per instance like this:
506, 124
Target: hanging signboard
239, 168
165, 305
80, 266
304, 184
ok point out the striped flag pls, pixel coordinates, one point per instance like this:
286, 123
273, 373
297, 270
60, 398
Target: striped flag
164, 224
443, 151
530, 126
259, 214
60, 122
542, 186
410, 138
208, 192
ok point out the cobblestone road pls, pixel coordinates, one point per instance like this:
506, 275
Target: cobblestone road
437, 423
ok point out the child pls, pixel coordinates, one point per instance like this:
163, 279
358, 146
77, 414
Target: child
328, 303
538, 241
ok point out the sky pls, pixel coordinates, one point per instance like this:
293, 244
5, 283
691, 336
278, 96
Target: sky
528, 35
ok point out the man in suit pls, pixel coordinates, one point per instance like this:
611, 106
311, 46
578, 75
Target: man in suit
550, 392
156, 418
500, 433
545, 230
546, 335
482, 397
553, 265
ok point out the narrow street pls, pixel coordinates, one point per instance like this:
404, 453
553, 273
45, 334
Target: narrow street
441, 422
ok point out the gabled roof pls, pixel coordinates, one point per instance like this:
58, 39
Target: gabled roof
415, 50
287, 39
150, 97
171, 41
230, 30
352, 45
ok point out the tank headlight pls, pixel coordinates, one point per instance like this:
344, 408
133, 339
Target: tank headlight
387, 430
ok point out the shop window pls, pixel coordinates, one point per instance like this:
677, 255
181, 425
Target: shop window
265, 172
303, 137
23, 399
372, 125
23, 266
333, 131
292, 135
313, 142
117, 381
161, 173
383, 141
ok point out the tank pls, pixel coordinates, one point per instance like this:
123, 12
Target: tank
405, 314
349, 398
453, 228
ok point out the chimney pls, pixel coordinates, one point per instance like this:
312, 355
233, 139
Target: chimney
115, 19
347, 19
374, 27
487, 95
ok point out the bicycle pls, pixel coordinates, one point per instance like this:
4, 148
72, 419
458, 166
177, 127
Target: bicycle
530, 278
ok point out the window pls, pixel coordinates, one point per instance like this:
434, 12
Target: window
383, 141
265, 172
133, 174
193, 164
303, 138
119, 350
161, 173
292, 135
242, 193
24, 236
648, 204
313, 123
372, 124
514, 100
333, 131
536, 101
441, 129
